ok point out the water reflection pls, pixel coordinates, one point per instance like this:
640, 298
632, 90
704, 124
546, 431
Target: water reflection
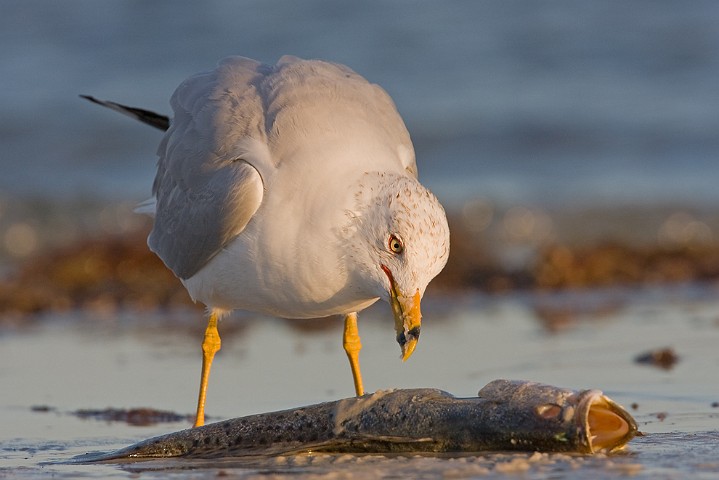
144, 360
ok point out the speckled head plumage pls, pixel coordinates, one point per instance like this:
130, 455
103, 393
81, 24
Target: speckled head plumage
401, 242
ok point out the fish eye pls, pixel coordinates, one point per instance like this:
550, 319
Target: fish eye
395, 244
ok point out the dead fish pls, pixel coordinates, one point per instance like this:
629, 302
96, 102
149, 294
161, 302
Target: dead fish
506, 415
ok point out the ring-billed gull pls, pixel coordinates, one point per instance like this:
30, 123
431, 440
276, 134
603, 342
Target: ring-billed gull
291, 190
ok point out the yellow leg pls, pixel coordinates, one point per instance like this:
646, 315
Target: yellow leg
352, 345
210, 346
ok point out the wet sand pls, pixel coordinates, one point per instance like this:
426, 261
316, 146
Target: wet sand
64, 364
99, 346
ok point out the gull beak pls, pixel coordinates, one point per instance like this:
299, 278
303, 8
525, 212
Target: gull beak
407, 320
407, 316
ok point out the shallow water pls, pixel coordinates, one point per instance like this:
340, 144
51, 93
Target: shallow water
152, 360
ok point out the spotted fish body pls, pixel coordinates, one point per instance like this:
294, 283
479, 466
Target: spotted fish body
506, 415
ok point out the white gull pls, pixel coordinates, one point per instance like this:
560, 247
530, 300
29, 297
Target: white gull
292, 190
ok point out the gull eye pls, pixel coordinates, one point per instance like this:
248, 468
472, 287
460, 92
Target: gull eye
395, 244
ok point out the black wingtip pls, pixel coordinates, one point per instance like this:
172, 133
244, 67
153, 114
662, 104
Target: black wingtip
88, 97
161, 122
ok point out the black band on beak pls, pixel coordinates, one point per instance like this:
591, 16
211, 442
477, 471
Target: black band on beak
402, 339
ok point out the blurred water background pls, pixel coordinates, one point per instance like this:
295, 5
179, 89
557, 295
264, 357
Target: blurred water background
564, 101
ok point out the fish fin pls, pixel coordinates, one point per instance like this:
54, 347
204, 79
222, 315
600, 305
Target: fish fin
353, 444
396, 439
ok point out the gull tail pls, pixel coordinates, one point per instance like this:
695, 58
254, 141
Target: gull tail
145, 116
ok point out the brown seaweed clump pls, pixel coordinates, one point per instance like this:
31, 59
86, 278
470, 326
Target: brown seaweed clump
102, 274
664, 358
111, 272
611, 263
559, 266
139, 417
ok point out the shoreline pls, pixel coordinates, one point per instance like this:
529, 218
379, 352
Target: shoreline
99, 260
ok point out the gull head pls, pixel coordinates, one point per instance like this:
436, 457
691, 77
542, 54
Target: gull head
400, 241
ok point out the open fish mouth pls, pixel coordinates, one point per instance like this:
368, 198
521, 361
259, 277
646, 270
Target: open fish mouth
607, 424
601, 424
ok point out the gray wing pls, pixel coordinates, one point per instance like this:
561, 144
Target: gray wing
216, 153
338, 100
207, 188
